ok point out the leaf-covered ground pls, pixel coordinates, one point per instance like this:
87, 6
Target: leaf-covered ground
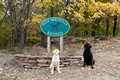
107, 67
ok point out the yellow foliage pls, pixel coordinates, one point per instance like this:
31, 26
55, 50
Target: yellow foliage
1, 15
98, 15
61, 13
79, 16
69, 8
99, 9
76, 9
115, 9
40, 4
104, 7
46, 3
27, 22
92, 7
2, 9
38, 18
93, 1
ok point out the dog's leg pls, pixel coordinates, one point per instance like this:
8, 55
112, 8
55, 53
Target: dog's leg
58, 68
52, 69
92, 67
84, 63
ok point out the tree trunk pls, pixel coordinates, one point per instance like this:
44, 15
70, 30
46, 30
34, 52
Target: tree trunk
43, 36
115, 26
107, 25
21, 27
22, 37
52, 11
66, 3
93, 33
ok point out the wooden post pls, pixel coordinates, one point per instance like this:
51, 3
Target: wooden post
48, 44
61, 43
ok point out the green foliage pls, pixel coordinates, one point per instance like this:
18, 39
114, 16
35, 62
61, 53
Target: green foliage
5, 35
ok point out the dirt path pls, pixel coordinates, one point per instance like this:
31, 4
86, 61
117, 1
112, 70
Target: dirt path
107, 67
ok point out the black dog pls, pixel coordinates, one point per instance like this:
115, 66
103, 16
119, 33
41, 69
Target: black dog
55, 26
88, 56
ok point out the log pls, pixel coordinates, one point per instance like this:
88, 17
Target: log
42, 61
29, 67
43, 65
26, 64
32, 61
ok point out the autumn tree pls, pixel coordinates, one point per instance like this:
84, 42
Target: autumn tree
105, 10
42, 9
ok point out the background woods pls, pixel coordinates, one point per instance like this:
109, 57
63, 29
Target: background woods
20, 19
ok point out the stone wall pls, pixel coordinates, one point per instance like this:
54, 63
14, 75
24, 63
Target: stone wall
29, 61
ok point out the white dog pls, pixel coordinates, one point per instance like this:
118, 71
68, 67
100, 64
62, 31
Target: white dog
55, 61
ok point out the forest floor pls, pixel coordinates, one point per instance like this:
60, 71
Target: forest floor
107, 66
